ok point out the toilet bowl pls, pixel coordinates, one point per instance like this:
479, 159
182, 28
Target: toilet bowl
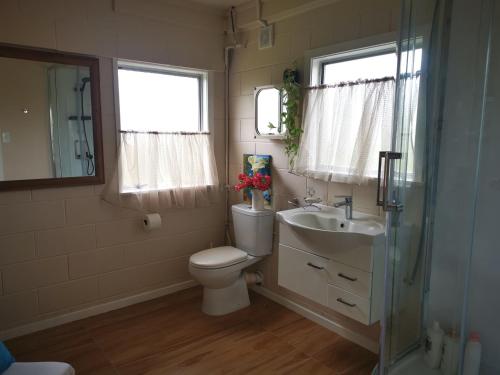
221, 270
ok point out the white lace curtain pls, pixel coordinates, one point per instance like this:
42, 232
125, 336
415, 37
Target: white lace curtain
345, 127
156, 171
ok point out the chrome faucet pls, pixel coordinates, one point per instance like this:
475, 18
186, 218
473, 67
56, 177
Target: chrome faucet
347, 203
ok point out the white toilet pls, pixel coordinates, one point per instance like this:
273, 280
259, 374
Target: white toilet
220, 270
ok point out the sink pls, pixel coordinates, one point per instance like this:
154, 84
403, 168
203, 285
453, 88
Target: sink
327, 233
332, 220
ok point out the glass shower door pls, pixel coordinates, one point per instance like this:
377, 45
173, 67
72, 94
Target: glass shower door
407, 180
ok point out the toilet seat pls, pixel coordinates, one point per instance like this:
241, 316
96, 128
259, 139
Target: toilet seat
218, 257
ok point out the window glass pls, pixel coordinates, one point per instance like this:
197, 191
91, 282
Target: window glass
159, 101
362, 68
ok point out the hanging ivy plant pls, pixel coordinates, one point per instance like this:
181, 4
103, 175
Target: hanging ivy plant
290, 114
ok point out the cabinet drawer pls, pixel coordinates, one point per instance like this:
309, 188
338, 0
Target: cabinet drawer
303, 273
346, 303
350, 279
351, 250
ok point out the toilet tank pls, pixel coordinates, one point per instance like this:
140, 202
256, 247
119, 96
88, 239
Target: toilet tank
253, 229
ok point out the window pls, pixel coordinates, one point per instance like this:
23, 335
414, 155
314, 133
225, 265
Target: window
164, 140
156, 98
348, 113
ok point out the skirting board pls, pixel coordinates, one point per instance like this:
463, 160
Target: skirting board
94, 310
320, 319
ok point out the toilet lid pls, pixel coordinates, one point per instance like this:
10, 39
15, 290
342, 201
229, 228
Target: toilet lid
218, 257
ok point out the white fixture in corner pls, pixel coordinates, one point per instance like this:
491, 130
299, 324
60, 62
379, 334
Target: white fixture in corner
220, 270
334, 261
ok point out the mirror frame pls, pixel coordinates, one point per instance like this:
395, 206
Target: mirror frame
257, 90
92, 62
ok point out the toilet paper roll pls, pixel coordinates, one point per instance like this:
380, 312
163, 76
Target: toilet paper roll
151, 222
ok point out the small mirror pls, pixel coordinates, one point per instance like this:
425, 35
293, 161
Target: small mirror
268, 108
49, 119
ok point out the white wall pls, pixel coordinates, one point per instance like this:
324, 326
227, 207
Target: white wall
63, 249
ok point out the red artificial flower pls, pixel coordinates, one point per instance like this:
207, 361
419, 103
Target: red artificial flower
258, 181
261, 182
245, 181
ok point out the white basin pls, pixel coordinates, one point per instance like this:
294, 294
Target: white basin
332, 219
327, 233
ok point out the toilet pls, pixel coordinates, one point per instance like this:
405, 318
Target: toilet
221, 269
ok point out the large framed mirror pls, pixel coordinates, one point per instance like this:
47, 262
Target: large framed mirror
50, 119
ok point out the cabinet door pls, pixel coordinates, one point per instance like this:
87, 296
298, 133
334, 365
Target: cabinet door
303, 273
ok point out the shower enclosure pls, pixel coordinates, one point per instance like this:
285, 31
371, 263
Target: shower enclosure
443, 185
70, 118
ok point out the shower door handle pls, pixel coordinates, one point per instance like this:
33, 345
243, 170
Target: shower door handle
383, 184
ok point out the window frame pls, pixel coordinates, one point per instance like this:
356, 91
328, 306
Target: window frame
205, 87
371, 46
375, 45
206, 103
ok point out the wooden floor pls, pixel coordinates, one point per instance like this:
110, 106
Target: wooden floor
170, 335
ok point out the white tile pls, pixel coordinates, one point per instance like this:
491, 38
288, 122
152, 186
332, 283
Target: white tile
364, 199
14, 197
318, 188
238, 149
33, 274
31, 216
17, 248
337, 188
61, 193
68, 295
17, 308
276, 150
247, 130
288, 184
241, 107
254, 78
65, 240
87, 210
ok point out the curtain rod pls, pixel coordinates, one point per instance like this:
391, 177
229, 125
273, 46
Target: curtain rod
351, 83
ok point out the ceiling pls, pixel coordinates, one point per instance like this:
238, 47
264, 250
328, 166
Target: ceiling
222, 4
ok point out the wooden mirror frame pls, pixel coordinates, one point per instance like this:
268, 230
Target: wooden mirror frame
92, 62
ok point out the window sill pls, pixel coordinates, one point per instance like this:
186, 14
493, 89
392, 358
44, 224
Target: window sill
141, 191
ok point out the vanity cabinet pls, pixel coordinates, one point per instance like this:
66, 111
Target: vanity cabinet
334, 277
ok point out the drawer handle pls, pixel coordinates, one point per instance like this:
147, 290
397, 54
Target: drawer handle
314, 266
346, 303
340, 274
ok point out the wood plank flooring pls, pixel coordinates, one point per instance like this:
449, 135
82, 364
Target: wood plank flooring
170, 335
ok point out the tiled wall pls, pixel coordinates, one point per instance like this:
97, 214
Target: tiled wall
335, 23
65, 249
